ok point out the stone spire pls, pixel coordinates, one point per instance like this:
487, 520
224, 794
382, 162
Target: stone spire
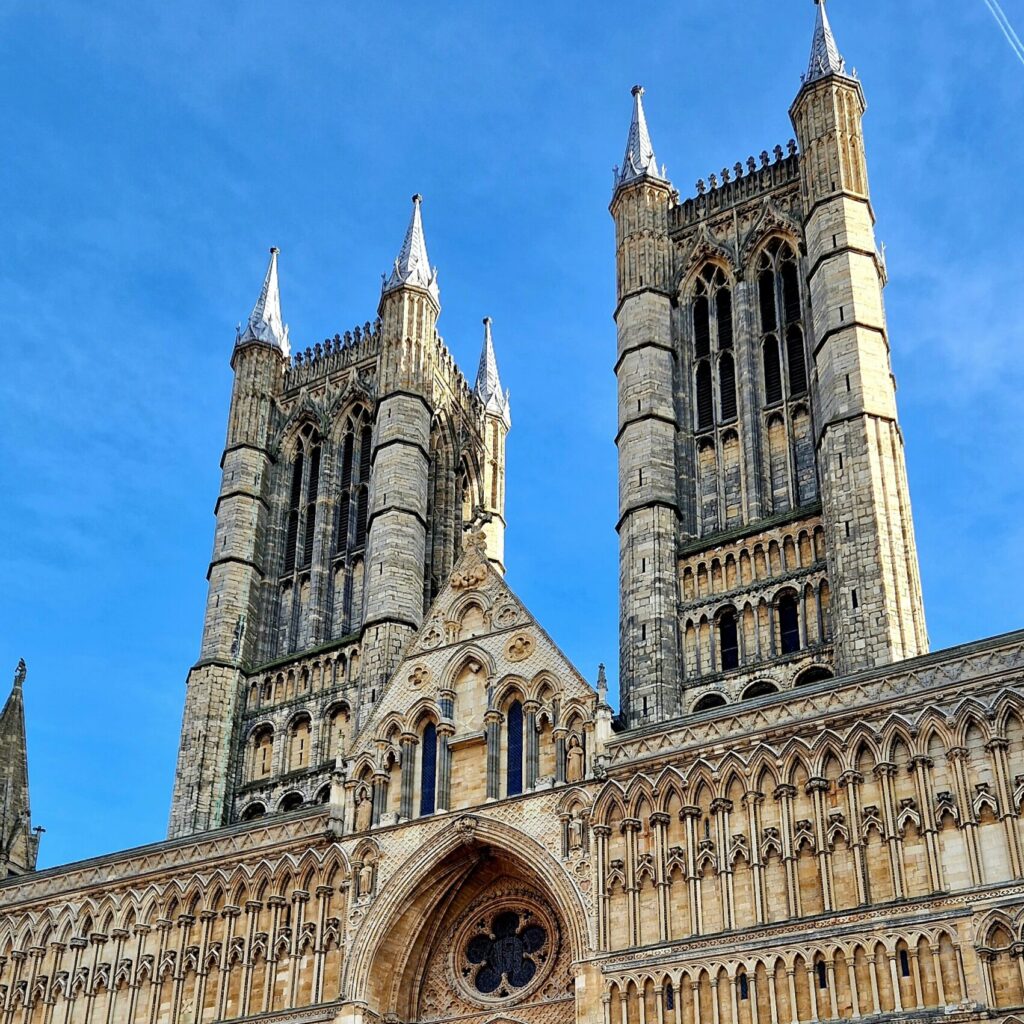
825, 59
488, 383
639, 160
413, 266
18, 844
265, 324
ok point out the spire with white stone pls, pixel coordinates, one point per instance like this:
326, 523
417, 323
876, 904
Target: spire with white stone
825, 57
639, 160
488, 383
265, 325
412, 267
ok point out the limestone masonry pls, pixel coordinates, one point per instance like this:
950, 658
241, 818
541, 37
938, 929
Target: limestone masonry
397, 801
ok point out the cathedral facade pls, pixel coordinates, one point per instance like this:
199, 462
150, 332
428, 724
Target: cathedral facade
397, 801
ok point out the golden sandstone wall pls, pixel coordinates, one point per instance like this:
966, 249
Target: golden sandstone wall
844, 851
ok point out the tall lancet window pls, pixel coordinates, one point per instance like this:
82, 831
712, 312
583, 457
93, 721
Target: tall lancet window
300, 525
428, 769
712, 345
353, 482
781, 308
514, 727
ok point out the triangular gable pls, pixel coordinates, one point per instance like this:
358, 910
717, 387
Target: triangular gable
475, 622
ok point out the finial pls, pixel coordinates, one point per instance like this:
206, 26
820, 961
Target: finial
19, 673
639, 160
417, 199
637, 90
825, 58
274, 250
602, 683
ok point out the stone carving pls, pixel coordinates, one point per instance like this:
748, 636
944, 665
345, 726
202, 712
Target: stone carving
519, 648
574, 760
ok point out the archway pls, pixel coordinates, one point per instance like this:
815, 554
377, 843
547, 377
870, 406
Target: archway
481, 920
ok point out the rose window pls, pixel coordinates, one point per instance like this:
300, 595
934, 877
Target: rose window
504, 952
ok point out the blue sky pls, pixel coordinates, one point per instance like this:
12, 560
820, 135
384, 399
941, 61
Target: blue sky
151, 154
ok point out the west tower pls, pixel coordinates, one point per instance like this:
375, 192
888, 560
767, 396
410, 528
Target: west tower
350, 473
765, 531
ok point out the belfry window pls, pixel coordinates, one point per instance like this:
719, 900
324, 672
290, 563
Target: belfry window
789, 624
300, 524
354, 479
728, 636
778, 289
713, 336
514, 727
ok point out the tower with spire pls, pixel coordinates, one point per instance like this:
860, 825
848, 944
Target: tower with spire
351, 471
765, 532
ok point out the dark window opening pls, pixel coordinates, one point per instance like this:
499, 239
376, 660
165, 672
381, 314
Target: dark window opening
772, 372
428, 769
766, 292
514, 774
759, 689
822, 976
705, 402
856, 603
744, 987
727, 386
312, 492
729, 641
292, 802
709, 701
789, 624
701, 327
904, 964
670, 997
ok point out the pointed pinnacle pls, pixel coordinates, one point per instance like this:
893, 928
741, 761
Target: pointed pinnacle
825, 59
639, 160
19, 674
412, 266
265, 324
488, 383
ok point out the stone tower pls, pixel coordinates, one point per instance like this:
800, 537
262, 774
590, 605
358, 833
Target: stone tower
19, 844
873, 567
350, 473
753, 367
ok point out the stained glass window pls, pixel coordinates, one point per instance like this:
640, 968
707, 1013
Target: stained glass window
515, 749
428, 773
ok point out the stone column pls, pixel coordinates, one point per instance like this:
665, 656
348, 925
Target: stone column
885, 771
252, 914
601, 834
530, 738
299, 900
721, 809
997, 747
784, 794
558, 735
851, 782
690, 814
323, 896
206, 918
753, 801
275, 903
630, 827
445, 731
659, 823
230, 914
408, 741
817, 788
492, 729
919, 765
969, 822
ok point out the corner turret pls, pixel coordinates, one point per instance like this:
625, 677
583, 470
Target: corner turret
497, 422
19, 843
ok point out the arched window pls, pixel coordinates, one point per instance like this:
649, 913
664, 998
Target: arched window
728, 640
291, 802
759, 689
291, 539
514, 726
713, 332
253, 811
709, 701
705, 403
819, 968
727, 386
772, 372
797, 361
300, 742
354, 478
789, 624
428, 769
302, 497
744, 987
778, 287
263, 753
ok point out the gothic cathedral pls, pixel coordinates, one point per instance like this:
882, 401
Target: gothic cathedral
396, 801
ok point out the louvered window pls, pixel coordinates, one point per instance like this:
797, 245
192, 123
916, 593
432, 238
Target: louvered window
294, 503
705, 401
797, 361
772, 372
727, 387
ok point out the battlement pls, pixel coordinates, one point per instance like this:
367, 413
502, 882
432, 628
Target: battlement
450, 377
739, 185
333, 354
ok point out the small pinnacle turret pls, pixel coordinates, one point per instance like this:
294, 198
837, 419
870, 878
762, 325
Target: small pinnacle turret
265, 324
639, 160
18, 844
488, 383
412, 267
825, 58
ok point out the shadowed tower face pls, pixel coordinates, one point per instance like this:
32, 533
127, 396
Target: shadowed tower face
350, 474
766, 538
